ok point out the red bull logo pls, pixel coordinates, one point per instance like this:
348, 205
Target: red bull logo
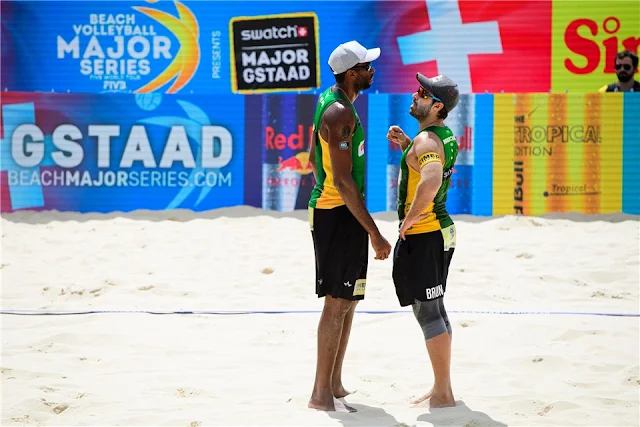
293, 156
299, 163
280, 141
294, 143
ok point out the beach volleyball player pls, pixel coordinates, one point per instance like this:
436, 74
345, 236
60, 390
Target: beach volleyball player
427, 239
339, 221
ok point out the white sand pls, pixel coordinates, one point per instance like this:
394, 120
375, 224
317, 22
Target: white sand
189, 370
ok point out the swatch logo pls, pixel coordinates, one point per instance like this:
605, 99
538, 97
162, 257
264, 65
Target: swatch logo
288, 32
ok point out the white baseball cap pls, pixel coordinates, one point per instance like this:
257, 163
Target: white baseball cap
349, 54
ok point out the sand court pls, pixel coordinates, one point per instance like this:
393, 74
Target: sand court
564, 363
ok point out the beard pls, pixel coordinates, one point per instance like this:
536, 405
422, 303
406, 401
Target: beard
362, 84
624, 77
420, 112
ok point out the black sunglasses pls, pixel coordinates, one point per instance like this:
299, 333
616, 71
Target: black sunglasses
365, 67
626, 67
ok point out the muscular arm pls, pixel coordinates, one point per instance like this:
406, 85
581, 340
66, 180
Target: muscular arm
429, 151
312, 156
405, 143
338, 124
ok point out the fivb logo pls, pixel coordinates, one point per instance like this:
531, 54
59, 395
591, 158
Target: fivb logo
116, 48
288, 32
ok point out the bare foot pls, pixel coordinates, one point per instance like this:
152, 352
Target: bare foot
322, 400
442, 401
423, 398
428, 395
334, 406
340, 392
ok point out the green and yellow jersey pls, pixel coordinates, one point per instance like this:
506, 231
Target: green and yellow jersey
435, 216
325, 195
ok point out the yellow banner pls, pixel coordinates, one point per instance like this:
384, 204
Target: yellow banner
586, 35
557, 153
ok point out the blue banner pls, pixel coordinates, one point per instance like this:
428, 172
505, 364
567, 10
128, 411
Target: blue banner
174, 46
122, 152
631, 154
104, 153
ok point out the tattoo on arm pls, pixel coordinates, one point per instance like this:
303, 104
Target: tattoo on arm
346, 132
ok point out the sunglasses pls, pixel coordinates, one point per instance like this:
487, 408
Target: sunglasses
365, 67
626, 67
422, 93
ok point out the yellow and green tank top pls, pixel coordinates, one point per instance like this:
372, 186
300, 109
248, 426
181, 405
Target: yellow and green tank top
437, 217
325, 194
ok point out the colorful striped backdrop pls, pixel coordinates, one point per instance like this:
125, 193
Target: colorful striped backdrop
558, 153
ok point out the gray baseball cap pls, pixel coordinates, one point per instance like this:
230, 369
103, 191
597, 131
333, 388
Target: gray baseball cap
441, 87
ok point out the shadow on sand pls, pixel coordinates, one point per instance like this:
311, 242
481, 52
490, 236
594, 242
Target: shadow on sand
366, 416
462, 416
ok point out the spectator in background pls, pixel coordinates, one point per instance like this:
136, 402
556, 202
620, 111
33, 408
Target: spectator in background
626, 67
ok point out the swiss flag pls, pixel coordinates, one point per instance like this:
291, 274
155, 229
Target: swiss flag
485, 46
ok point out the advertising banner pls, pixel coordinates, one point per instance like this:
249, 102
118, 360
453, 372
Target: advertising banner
225, 47
285, 124
104, 153
586, 38
274, 53
527, 154
279, 131
558, 153
631, 154
461, 122
103, 46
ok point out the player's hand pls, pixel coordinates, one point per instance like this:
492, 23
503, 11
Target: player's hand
406, 224
397, 135
381, 246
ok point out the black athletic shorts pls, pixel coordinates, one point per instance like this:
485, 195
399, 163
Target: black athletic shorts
421, 265
342, 252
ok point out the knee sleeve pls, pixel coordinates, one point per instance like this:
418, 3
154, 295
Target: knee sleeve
429, 318
444, 315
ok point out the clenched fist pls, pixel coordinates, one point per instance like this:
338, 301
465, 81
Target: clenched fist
397, 135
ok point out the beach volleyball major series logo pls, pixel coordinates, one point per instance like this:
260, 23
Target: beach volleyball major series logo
124, 50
